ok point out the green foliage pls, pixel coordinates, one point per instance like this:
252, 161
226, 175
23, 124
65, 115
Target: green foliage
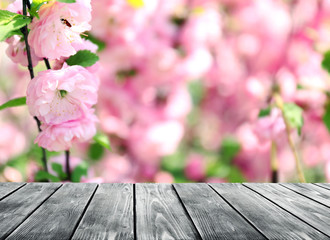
126, 73
229, 149
79, 171
44, 176
103, 140
264, 112
299, 86
196, 91
11, 23
57, 167
6, 16
235, 175
66, 1
100, 44
222, 166
95, 151
175, 164
83, 58
294, 115
14, 103
326, 116
326, 61
178, 20
35, 6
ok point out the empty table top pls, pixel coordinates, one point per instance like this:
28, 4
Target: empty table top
164, 211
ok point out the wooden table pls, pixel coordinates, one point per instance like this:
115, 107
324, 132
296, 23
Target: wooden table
164, 211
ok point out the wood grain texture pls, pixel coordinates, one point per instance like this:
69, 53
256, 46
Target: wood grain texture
109, 215
311, 191
8, 188
15, 208
160, 215
212, 216
58, 216
311, 212
271, 220
323, 185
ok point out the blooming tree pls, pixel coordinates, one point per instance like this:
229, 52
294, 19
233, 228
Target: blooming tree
60, 100
187, 90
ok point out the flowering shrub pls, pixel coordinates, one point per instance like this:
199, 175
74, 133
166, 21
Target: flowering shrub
214, 90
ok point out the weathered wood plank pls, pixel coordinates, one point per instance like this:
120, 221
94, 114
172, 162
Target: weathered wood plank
15, 208
57, 217
271, 220
7, 188
160, 215
109, 215
212, 216
311, 212
323, 185
311, 191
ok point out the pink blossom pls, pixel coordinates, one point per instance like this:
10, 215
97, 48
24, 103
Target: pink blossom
12, 175
59, 28
60, 137
16, 51
164, 177
16, 7
158, 139
270, 127
57, 96
12, 142
195, 168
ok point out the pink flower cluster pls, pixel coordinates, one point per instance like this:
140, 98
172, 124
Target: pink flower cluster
62, 99
53, 35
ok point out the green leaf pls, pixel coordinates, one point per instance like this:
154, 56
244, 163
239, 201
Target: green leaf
67, 1
326, 61
299, 86
326, 116
197, 91
235, 175
100, 44
83, 58
264, 112
43, 175
95, 151
79, 171
16, 23
59, 170
14, 103
6, 16
217, 169
103, 140
294, 115
35, 6
230, 147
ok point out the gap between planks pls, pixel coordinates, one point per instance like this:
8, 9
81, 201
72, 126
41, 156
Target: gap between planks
84, 211
279, 205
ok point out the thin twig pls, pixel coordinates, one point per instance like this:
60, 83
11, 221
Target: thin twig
274, 164
47, 63
279, 104
67, 164
30, 67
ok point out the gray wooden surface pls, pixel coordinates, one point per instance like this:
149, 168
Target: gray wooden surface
164, 211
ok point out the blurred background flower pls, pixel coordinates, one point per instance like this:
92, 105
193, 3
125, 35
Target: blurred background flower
181, 86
